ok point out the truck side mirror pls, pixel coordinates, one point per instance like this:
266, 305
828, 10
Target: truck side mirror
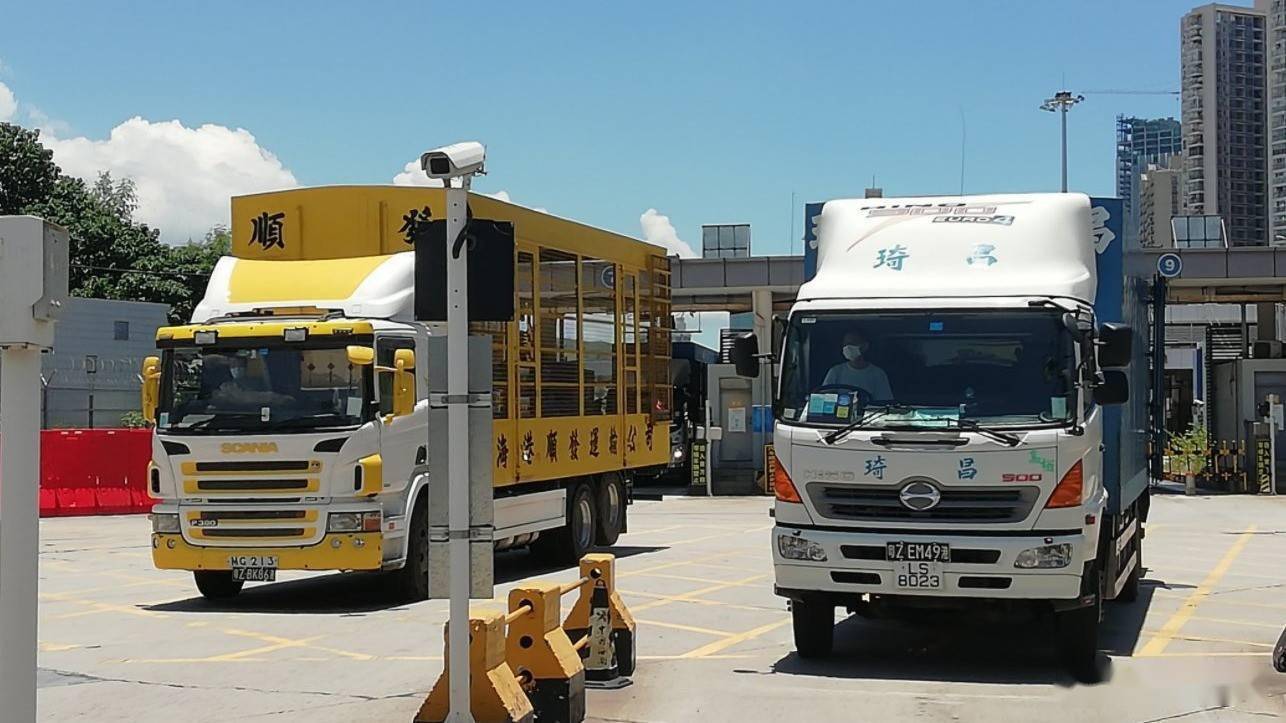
1115, 345
151, 375
403, 382
1115, 388
360, 356
745, 354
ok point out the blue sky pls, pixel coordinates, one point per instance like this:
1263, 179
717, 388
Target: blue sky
708, 112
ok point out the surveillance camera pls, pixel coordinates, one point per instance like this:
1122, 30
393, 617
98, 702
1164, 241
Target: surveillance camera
455, 160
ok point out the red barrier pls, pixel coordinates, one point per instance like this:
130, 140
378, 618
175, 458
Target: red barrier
94, 471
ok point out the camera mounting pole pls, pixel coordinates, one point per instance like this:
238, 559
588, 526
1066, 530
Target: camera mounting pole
455, 166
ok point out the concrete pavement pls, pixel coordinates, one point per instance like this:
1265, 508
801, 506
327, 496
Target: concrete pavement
123, 642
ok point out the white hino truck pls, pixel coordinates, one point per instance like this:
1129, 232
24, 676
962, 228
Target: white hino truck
955, 429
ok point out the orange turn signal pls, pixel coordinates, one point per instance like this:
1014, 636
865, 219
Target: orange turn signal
782, 486
1070, 489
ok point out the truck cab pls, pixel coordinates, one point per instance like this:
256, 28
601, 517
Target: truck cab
947, 435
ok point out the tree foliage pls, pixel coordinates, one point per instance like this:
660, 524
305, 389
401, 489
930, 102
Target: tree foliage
27, 170
113, 256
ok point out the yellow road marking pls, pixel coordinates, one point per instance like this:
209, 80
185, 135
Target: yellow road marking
666, 600
681, 657
1228, 621
95, 607
695, 600
1170, 629
1239, 654
57, 647
716, 536
1277, 578
688, 578
279, 644
731, 640
1205, 639
687, 628
1226, 601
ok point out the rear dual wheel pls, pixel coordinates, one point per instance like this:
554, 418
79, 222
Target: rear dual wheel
595, 516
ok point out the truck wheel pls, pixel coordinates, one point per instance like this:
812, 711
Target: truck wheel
814, 625
217, 584
611, 509
413, 578
1078, 633
569, 543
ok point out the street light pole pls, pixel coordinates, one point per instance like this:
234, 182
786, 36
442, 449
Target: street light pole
1062, 101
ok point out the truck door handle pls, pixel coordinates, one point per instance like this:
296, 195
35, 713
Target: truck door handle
421, 455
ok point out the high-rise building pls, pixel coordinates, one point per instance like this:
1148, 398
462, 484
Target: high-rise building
1275, 17
1158, 202
1224, 58
1140, 143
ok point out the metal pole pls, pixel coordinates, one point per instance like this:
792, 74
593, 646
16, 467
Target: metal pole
1063, 109
20, 531
458, 452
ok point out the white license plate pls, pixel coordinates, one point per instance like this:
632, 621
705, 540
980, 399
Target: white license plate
253, 568
918, 575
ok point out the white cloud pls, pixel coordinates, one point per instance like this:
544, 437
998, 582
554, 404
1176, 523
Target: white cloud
184, 176
413, 175
657, 229
8, 104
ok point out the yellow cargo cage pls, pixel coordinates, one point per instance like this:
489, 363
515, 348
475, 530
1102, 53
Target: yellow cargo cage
581, 375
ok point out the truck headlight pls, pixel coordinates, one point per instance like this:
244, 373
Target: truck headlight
1046, 556
353, 522
165, 523
799, 548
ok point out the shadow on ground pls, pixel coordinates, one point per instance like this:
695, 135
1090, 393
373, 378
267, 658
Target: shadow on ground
945, 650
357, 593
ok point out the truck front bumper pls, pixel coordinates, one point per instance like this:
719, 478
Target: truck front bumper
335, 551
848, 570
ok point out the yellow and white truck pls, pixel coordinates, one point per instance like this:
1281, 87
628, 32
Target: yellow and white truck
291, 414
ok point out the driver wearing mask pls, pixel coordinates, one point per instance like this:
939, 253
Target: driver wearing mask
857, 372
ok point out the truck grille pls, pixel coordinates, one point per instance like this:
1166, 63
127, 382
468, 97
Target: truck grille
253, 526
263, 479
882, 504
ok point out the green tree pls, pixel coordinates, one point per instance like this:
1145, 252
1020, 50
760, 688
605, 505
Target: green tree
113, 256
27, 169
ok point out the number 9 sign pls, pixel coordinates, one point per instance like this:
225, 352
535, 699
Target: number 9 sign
1169, 265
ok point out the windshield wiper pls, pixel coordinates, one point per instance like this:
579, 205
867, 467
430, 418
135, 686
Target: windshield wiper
1003, 437
866, 418
208, 424
312, 419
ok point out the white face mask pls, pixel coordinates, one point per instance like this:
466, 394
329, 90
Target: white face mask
852, 352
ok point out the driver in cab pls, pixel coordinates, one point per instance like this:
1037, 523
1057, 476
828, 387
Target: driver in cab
857, 372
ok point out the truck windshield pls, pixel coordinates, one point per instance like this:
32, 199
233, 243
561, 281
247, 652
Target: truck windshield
998, 368
261, 389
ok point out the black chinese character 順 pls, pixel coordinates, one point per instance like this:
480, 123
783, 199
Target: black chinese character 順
266, 230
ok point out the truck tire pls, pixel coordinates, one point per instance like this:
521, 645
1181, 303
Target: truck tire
569, 543
413, 578
611, 508
1078, 634
814, 625
217, 584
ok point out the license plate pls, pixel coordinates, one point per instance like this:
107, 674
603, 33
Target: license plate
253, 568
918, 565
